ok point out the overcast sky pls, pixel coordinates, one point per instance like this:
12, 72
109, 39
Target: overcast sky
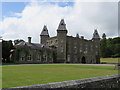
23, 19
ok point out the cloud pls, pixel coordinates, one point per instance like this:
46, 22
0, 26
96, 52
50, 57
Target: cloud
80, 18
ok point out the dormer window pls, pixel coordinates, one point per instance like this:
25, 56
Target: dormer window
44, 30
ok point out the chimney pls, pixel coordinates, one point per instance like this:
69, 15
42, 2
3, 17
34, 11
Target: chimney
29, 39
82, 37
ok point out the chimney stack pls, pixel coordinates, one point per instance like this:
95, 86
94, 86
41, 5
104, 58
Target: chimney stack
29, 39
82, 37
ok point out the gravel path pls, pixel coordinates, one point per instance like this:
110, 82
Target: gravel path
62, 63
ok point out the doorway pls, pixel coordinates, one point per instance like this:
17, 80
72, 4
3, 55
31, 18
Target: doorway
83, 60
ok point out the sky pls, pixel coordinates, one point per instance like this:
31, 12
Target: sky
19, 20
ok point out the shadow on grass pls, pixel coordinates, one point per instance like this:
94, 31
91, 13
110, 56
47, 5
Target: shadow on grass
8, 64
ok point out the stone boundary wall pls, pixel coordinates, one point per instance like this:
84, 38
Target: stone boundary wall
112, 81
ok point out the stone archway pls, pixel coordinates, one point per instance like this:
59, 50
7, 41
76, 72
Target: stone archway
83, 60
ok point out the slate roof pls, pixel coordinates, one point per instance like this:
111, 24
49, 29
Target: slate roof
45, 31
96, 35
32, 45
62, 25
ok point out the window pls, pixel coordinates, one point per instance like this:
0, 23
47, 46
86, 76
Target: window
96, 46
61, 49
61, 41
91, 47
96, 52
75, 58
46, 58
80, 50
29, 58
68, 58
85, 52
55, 40
38, 58
75, 49
22, 58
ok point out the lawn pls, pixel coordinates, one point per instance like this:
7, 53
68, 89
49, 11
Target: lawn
0, 77
110, 60
14, 76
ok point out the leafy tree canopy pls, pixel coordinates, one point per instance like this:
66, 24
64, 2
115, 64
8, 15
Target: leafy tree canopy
110, 47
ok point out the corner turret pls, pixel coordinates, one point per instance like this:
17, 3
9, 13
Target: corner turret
61, 36
104, 36
44, 35
77, 35
96, 35
96, 40
62, 25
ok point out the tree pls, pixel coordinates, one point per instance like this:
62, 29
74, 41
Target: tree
116, 50
6, 47
113, 44
103, 46
110, 47
17, 41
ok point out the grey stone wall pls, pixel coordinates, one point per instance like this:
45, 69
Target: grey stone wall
44, 38
52, 41
23, 55
77, 48
61, 49
112, 81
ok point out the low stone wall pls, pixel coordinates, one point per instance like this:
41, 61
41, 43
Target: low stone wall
117, 66
112, 81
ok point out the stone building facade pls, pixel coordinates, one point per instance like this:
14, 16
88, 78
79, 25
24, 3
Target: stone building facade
72, 49
59, 49
27, 52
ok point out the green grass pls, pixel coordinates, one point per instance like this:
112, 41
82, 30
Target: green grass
110, 60
14, 76
0, 77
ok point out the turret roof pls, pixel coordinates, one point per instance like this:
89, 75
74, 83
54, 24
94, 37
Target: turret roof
96, 35
62, 25
104, 35
77, 35
45, 31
